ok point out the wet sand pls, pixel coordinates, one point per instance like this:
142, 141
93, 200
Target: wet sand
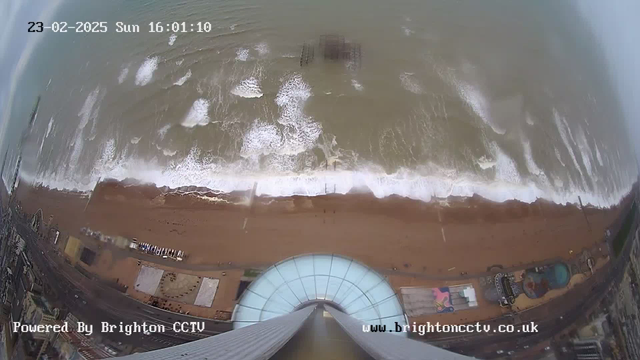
469, 235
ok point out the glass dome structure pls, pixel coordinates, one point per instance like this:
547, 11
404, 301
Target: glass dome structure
342, 282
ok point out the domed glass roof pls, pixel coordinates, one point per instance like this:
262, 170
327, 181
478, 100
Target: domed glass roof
350, 286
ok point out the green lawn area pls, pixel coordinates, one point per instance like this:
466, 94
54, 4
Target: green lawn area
621, 237
252, 272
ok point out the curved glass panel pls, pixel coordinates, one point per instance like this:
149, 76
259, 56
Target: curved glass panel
354, 288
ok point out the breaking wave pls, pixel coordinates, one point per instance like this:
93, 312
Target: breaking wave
123, 75
145, 72
242, 54
198, 115
598, 156
261, 139
249, 88
193, 171
533, 168
472, 95
162, 132
89, 111
183, 79
293, 133
168, 152
50, 126
300, 131
563, 130
262, 48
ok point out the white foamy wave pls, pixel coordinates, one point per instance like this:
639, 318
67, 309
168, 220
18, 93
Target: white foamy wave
172, 39
41, 146
261, 139
562, 130
248, 88
242, 54
192, 171
529, 119
506, 169
293, 134
198, 114
89, 108
108, 160
566, 125
356, 85
163, 131
145, 72
89, 111
300, 132
531, 164
409, 83
291, 97
585, 151
179, 62
486, 163
49, 127
108, 152
262, 48
167, 152
474, 98
558, 156
123, 75
598, 156
135, 140
183, 79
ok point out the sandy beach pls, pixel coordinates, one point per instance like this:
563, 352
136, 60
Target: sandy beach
439, 239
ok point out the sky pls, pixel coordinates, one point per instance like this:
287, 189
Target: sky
616, 26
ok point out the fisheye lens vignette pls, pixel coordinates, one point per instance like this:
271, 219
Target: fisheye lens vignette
313, 180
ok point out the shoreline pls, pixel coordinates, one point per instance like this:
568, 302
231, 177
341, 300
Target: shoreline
253, 185
404, 183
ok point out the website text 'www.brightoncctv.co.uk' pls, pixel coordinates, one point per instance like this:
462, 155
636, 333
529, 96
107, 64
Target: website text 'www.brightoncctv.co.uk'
422, 329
